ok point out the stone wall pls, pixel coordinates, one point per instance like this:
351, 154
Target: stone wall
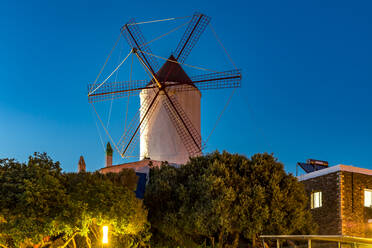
355, 215
343, 211
328, 216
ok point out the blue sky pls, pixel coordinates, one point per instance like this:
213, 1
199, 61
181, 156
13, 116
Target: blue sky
306, 76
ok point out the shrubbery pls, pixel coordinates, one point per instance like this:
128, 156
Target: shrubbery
41, 206
217, 200
223, 200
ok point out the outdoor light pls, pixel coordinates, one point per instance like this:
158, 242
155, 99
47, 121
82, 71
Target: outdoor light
105, 235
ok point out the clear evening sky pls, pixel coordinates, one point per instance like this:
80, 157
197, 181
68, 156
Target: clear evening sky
306, 89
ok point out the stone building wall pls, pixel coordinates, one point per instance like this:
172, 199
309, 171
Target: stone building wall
354, 214
343, 211
328, 216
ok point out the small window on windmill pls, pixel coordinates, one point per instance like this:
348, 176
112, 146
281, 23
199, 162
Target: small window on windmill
316, 199
368, 198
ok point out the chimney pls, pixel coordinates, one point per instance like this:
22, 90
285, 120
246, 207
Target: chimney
108, 155
81, 165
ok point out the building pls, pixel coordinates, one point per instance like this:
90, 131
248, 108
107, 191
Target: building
164, 138
341, 200
142, 169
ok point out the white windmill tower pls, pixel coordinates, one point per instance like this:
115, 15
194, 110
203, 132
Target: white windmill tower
168, 121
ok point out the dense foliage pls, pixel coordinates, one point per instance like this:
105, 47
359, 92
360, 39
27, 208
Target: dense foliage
41, 206
225, 199
218, 200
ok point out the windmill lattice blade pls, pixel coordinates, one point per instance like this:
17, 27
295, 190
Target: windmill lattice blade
183, 127
117, 90
192, 34
127, 142
218, 80
135, 38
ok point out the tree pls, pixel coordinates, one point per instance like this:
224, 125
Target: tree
225, 199
41, 206
32, 200
105, 200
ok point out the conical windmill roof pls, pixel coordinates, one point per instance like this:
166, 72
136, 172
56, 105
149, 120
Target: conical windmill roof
172, 72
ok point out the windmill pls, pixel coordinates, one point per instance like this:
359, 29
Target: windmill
168, 121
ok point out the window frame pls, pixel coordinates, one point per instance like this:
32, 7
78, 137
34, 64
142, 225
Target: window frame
316, 196
370, 198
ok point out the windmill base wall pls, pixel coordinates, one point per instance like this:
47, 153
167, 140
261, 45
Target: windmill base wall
159, 139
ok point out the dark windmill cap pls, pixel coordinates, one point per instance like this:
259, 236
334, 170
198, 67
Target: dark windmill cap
172, 72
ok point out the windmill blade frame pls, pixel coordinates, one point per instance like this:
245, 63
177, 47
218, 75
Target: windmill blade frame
116, 90
209, 81
136, 40
194, 30
218, 80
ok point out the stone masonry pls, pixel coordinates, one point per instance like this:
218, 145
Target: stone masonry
328, 216
342, 211
355, 215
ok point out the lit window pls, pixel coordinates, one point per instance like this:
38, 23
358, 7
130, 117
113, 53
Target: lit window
316, 199
368, 198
